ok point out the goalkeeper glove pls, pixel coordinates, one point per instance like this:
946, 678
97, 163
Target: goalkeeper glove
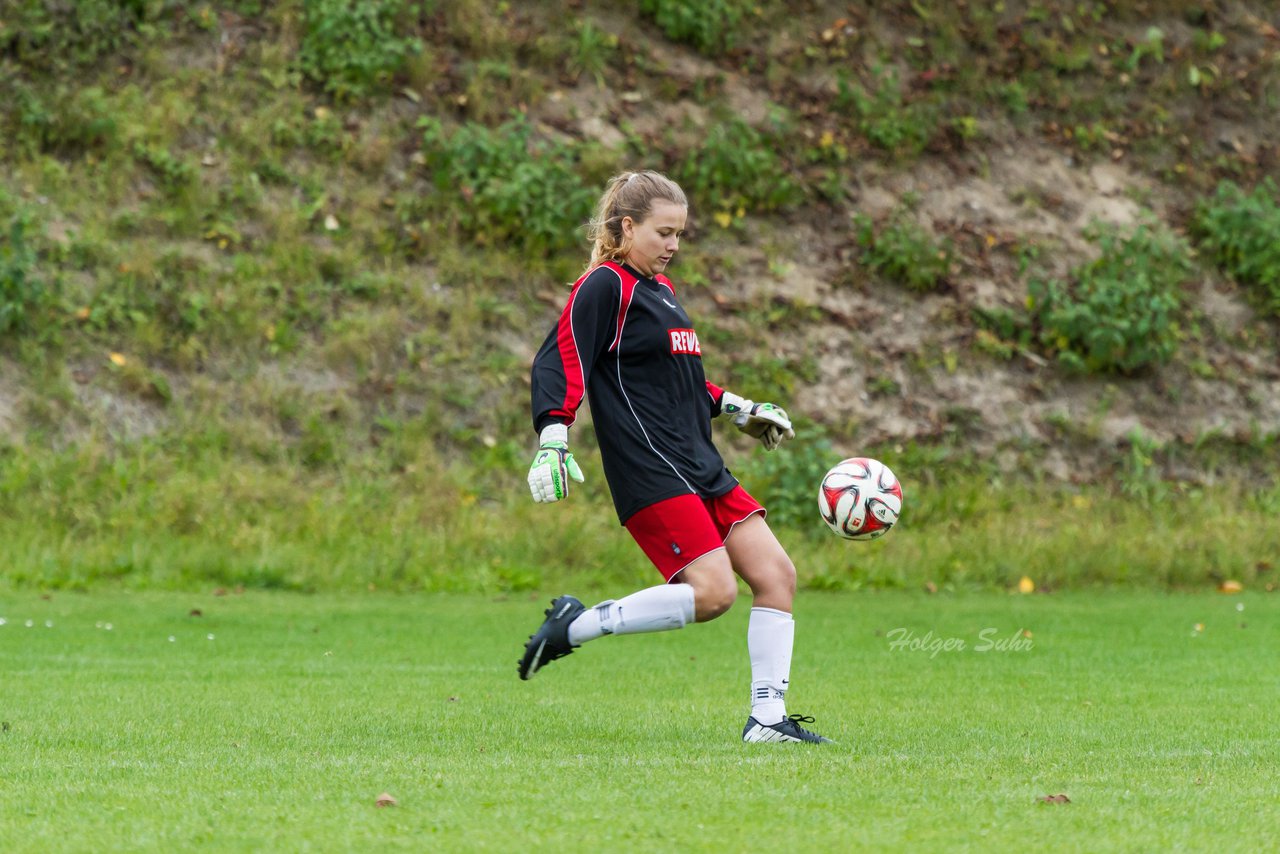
763, 421
553, 466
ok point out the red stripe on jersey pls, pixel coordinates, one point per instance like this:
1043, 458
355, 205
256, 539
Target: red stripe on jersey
574, 383
628, 283
715, 391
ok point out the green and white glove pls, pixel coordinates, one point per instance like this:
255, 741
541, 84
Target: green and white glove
763, 421
553, 466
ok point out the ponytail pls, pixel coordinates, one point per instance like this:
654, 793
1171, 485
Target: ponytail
630, 194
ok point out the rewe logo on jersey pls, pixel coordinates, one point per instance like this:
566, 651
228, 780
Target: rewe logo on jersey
684, 342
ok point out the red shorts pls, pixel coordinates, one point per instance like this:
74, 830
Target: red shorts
677, 531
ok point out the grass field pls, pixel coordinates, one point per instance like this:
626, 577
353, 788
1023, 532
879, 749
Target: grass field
273, 721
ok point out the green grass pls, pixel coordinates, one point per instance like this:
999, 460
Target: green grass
167, 515
281, 731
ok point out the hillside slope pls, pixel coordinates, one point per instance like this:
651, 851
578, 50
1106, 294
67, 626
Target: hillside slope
272, 229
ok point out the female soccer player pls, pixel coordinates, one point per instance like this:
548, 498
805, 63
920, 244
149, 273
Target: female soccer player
624, 341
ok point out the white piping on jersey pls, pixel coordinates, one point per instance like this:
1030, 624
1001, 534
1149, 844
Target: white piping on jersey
618, 357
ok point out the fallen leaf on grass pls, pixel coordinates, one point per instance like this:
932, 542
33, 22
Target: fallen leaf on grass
1054, 799
1230, 586
385, 800
196, 612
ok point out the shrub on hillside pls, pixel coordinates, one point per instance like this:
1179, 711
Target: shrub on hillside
69, 122
885, 115
736, 171
23, 294
710, 26
507, 185
1241, 231
46, 36
788, 483
903, 251
354, 48
1119, 312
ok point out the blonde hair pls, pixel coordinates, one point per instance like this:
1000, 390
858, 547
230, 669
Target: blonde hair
629, 194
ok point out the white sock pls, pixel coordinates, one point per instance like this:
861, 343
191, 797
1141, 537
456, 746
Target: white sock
770, 637
654, 609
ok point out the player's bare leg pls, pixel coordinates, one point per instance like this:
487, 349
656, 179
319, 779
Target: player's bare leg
759, 558
713, 582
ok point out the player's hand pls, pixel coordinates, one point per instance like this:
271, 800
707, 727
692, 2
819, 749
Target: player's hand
553, 466
767, 422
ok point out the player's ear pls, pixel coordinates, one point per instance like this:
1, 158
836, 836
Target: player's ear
628, 227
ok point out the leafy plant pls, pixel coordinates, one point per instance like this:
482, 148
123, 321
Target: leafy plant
788, 483
710, 26
172, 171
737, 170
1001, 332
354, 48
1119, 312
521, 189
22, 293
903, 251
1152, 45
1140, 478
884, 115
591, 51
1241, 231
79, 120
56, 37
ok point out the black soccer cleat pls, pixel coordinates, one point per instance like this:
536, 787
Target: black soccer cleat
788, 729
551, 640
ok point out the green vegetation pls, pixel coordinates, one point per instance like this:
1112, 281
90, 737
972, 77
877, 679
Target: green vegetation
23, 296
737, 171
271, 274
903, 251
711, 26
295, 508
506, 186
352, 49
1241, 231
61, 38
1120, 311
171, 722
884, 116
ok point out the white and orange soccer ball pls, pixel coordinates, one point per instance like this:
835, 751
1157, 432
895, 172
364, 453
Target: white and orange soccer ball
860, 499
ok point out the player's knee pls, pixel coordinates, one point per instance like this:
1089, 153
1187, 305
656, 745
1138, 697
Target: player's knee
786, 576
714, 599
775, 580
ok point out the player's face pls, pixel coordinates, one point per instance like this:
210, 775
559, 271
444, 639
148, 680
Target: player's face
656, 239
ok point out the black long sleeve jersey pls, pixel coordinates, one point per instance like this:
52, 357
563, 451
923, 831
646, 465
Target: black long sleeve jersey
625, 343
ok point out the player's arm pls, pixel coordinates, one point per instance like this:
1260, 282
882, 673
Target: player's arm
558, 382
767, 422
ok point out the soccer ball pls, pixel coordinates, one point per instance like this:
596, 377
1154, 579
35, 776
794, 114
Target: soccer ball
860, 499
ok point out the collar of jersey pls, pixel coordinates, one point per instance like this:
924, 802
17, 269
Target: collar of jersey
648, 280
